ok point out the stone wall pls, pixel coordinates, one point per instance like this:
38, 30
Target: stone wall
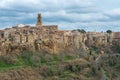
49, 38
36, 39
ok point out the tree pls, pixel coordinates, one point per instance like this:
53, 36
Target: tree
109, 31
81, 30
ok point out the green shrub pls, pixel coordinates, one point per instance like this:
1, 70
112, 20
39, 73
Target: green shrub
115, 48
73, 68
7, 61
46, 71
35, 60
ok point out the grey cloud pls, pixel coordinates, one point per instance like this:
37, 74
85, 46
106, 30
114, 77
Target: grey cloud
74, 13
113, 17
83, 10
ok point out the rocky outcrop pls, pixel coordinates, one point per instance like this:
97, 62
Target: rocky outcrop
47, 37
31, 38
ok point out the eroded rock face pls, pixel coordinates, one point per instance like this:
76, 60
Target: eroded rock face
18, 39
47, 37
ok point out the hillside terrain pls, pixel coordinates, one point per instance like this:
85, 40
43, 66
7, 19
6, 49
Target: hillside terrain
43, 52
77, 64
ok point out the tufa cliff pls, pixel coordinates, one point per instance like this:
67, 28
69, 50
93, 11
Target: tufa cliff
49, 38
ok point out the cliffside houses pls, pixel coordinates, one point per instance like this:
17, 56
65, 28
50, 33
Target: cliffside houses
48, 37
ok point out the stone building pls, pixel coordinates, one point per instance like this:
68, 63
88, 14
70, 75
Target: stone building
39, 21
47, 37
116, 37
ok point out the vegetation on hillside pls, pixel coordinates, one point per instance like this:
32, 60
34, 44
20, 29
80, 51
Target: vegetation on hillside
79, 65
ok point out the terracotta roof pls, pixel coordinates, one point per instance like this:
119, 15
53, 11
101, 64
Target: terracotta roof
116, 35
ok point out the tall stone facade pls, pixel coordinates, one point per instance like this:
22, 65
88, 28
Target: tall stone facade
47, 37
39, 21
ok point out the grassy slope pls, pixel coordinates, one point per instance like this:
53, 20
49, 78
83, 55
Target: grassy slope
47, 66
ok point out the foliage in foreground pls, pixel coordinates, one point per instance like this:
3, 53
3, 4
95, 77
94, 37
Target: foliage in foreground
63, 66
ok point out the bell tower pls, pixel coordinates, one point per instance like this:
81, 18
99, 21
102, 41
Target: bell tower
39, 21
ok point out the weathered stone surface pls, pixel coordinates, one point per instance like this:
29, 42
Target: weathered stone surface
49, 38
39, 21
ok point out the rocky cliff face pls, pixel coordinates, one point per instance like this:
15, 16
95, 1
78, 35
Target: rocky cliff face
16, 39
49, 38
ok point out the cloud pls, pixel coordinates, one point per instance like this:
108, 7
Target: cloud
45, 4
114, 14
16, 10
73, 13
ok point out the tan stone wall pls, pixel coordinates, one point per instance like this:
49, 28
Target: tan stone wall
47, 38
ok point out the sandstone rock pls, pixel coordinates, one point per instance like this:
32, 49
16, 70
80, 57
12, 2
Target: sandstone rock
49, 38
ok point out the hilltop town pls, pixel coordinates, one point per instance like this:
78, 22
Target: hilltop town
43, 52
49, 38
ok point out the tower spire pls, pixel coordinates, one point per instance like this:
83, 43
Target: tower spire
39, 20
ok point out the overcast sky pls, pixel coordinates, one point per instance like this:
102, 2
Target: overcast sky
91, 15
